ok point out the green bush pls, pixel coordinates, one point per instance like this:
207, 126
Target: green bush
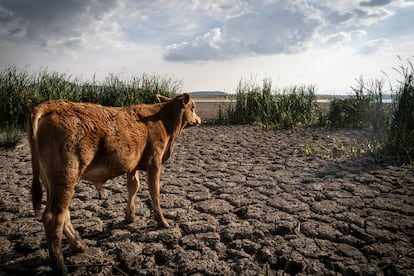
249, 101
290, 107
365, 108
10, 137
15, 97
348, 113
297, 107
400, 138
393, 123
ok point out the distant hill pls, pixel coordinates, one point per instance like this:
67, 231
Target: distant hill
208, 94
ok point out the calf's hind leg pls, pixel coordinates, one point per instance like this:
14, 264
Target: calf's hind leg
54, 218
133, 187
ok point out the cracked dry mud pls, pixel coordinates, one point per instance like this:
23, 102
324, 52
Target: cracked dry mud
240, 201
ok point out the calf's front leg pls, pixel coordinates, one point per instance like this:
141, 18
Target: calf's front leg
154, 173
75, 241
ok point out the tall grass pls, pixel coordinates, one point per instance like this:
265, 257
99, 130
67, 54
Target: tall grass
21, 90
285, 108
15, 98
365, 108
114, 91
297, 107
400, 138
393, 123
10, 137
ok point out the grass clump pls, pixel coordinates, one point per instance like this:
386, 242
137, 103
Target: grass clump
365, 108
282, 109
140, 89
393, 123
400, 138
21, 90
10, 137
297, 107
15, 97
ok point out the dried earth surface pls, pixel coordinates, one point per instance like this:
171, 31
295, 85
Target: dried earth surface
240, 201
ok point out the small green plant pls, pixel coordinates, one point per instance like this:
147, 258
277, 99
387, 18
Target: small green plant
353, 270
221, 116
339, 148
310, 150
10, 137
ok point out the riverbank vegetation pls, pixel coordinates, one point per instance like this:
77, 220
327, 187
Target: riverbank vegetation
258, 104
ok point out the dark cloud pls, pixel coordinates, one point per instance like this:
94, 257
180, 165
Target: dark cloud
375, 3
44, 19
336, 17
369, 16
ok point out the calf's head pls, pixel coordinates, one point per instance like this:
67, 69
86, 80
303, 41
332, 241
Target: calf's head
187, 106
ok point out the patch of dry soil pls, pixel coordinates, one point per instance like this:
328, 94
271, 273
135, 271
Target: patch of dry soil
240, 200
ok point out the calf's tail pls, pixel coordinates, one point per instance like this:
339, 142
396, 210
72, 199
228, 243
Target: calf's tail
36, 190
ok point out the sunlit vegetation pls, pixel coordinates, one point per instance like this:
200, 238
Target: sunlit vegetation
400, 133
263, 105
21, 90
393, 123
276, 108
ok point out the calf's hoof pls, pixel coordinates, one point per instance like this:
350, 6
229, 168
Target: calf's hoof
162, 223
130, 218
59, 269
78, 247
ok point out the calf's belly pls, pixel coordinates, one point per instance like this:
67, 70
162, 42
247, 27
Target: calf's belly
101, 175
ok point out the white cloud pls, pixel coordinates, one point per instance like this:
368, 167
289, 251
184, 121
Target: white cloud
269, 28
374, 46
354, 13
343, 37
403, 3
371, 16
209, 46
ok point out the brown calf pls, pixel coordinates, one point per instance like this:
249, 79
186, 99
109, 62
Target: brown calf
74, 141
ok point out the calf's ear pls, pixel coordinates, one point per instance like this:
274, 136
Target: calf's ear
185, 98
162, 98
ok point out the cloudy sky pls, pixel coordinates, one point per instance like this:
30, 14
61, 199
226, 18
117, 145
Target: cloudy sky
211, 45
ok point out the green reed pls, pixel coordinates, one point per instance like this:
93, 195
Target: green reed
400, 138
287, 108
393, 123
21, 90
365, 108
